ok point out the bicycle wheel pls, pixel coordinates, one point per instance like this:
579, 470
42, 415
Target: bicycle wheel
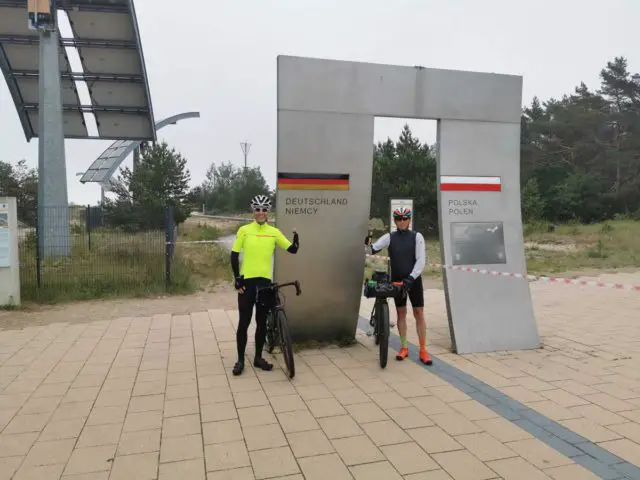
271, 338
285, 341
382, 322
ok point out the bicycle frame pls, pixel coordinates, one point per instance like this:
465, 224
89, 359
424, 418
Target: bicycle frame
385, 300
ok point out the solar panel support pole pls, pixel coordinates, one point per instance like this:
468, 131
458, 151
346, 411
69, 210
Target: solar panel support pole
53, 211
136, 158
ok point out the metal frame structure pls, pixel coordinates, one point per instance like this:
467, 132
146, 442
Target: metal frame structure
102, 169
107, 39
36, 67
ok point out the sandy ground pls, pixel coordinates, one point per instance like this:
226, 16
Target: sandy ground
221, 297
79, 312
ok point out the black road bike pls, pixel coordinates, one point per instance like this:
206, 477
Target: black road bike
381, 288
278, 334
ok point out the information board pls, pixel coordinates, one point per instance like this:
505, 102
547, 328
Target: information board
400, 202
480, 243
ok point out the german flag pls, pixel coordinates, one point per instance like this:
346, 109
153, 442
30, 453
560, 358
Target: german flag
313, 181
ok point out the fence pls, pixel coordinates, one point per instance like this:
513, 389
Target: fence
79, 252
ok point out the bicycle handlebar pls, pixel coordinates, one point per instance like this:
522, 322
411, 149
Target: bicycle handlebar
278, 286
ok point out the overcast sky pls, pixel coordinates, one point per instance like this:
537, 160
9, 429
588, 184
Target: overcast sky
220, 58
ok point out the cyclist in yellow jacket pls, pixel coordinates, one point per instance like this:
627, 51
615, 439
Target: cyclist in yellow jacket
257, 242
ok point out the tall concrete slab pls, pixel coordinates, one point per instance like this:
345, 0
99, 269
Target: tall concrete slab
326, 111
486, 313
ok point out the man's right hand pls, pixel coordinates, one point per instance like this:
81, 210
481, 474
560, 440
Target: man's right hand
239, 284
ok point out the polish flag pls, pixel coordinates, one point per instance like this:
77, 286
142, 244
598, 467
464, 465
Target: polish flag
470, 184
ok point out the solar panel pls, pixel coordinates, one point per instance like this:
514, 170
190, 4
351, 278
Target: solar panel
106, 37
103, 167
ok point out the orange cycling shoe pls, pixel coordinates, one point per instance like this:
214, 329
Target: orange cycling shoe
402, 354
425, 357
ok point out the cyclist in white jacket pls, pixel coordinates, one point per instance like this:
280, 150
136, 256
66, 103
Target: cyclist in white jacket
407, 258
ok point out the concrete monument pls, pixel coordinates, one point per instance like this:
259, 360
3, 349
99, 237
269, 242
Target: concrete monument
326, 113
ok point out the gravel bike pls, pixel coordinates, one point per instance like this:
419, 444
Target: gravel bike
278, 334
381, 288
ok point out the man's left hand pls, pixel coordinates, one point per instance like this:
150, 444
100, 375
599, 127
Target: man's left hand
408, 282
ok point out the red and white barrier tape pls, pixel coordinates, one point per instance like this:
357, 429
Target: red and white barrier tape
532, 278
484, 271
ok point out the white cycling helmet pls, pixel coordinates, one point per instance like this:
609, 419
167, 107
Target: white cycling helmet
261, 201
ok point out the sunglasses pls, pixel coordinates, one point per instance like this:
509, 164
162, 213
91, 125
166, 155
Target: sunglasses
399, 219
263, 210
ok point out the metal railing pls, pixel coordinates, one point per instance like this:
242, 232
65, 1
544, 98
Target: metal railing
78, 252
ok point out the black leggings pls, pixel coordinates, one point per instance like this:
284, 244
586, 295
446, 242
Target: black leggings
246, 301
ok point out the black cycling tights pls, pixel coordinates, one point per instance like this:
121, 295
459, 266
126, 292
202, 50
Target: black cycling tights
246, 301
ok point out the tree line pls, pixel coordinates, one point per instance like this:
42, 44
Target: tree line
580, 160
581, 153
229, 189
21, 182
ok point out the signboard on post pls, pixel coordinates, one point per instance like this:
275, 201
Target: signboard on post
9, 261
5, 237
400, 202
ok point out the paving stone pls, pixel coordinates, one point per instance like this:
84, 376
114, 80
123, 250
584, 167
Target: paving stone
147, 394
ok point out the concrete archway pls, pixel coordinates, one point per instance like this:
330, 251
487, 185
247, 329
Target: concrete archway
326, 113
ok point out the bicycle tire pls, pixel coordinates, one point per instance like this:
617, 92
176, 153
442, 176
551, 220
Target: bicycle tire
383, 333
285, 342
376, 338
271, 338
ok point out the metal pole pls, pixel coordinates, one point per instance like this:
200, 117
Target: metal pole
246, 146
168, 249
38, 254
53, 213
88, 219
136, 158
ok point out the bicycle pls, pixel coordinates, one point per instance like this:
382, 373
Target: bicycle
381, 288
278, 334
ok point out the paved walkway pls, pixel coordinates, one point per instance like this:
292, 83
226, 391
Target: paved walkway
149, 398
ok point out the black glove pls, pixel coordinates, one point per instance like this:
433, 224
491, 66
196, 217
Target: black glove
368, 240
296, 239
407, 282
239, 282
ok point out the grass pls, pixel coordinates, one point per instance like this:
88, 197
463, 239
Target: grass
110, 263
569, 249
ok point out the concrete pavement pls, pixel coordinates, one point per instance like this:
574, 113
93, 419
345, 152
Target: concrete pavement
153, 397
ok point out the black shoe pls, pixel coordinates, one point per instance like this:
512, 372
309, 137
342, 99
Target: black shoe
262, 364
238, 368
